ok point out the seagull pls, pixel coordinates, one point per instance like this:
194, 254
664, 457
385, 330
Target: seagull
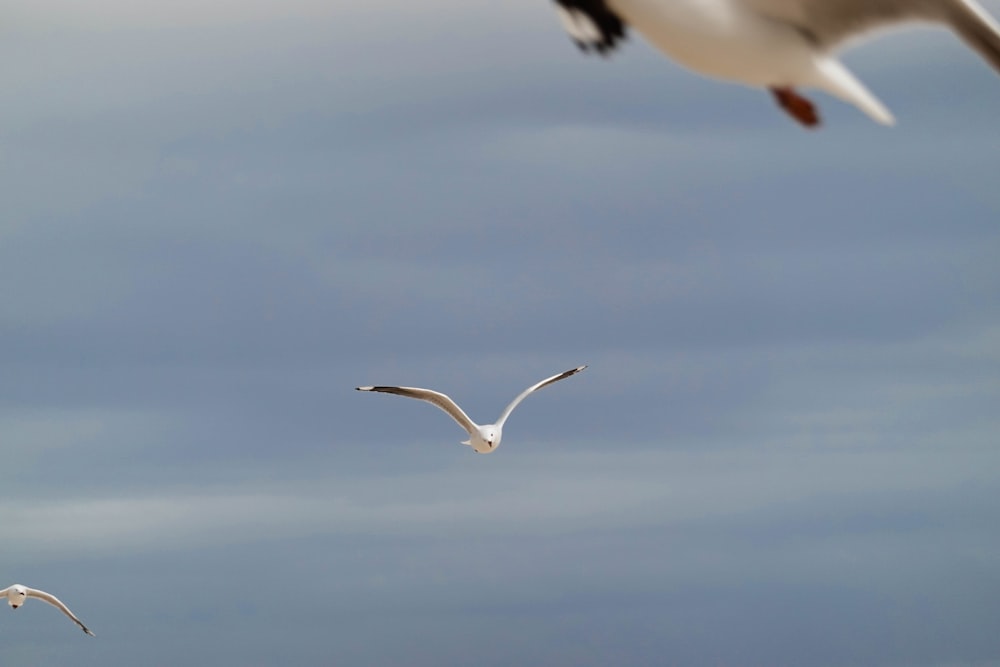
780, 45
483, 439
17, 593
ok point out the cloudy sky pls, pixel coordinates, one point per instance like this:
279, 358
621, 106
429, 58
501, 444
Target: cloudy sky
217, 221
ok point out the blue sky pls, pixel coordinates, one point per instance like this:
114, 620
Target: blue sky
219, 221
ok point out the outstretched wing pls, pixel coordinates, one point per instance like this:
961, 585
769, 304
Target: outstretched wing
536, 387
55, 602
434, 397
592, 24
831, 22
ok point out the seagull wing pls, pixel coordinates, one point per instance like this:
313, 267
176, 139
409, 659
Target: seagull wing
830, 22
55, 602
979, 30
536, 387
437, 398
592, 24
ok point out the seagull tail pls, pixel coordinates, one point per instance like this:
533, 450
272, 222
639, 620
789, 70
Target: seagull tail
978, 29
834, 78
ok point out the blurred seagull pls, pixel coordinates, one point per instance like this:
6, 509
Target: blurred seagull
775, 44
17, 593
483, 439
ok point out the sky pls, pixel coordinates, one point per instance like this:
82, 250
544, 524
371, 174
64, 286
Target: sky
218, 220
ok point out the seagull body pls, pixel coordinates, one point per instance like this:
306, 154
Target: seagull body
775, 44
17, 594
483, 439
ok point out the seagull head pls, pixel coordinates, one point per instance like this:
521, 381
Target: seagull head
488, 439
16, 596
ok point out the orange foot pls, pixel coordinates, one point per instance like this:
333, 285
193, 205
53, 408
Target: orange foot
796, 106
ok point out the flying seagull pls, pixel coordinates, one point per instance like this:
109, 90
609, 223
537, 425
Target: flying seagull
17, 593
779, 45
483, 439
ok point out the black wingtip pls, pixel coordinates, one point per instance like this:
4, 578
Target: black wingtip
593, 26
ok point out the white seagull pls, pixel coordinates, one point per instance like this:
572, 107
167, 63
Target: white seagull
483, 439
17, 593
774, 44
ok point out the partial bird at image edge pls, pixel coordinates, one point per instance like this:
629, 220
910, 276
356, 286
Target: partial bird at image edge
778, 45
17, 594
